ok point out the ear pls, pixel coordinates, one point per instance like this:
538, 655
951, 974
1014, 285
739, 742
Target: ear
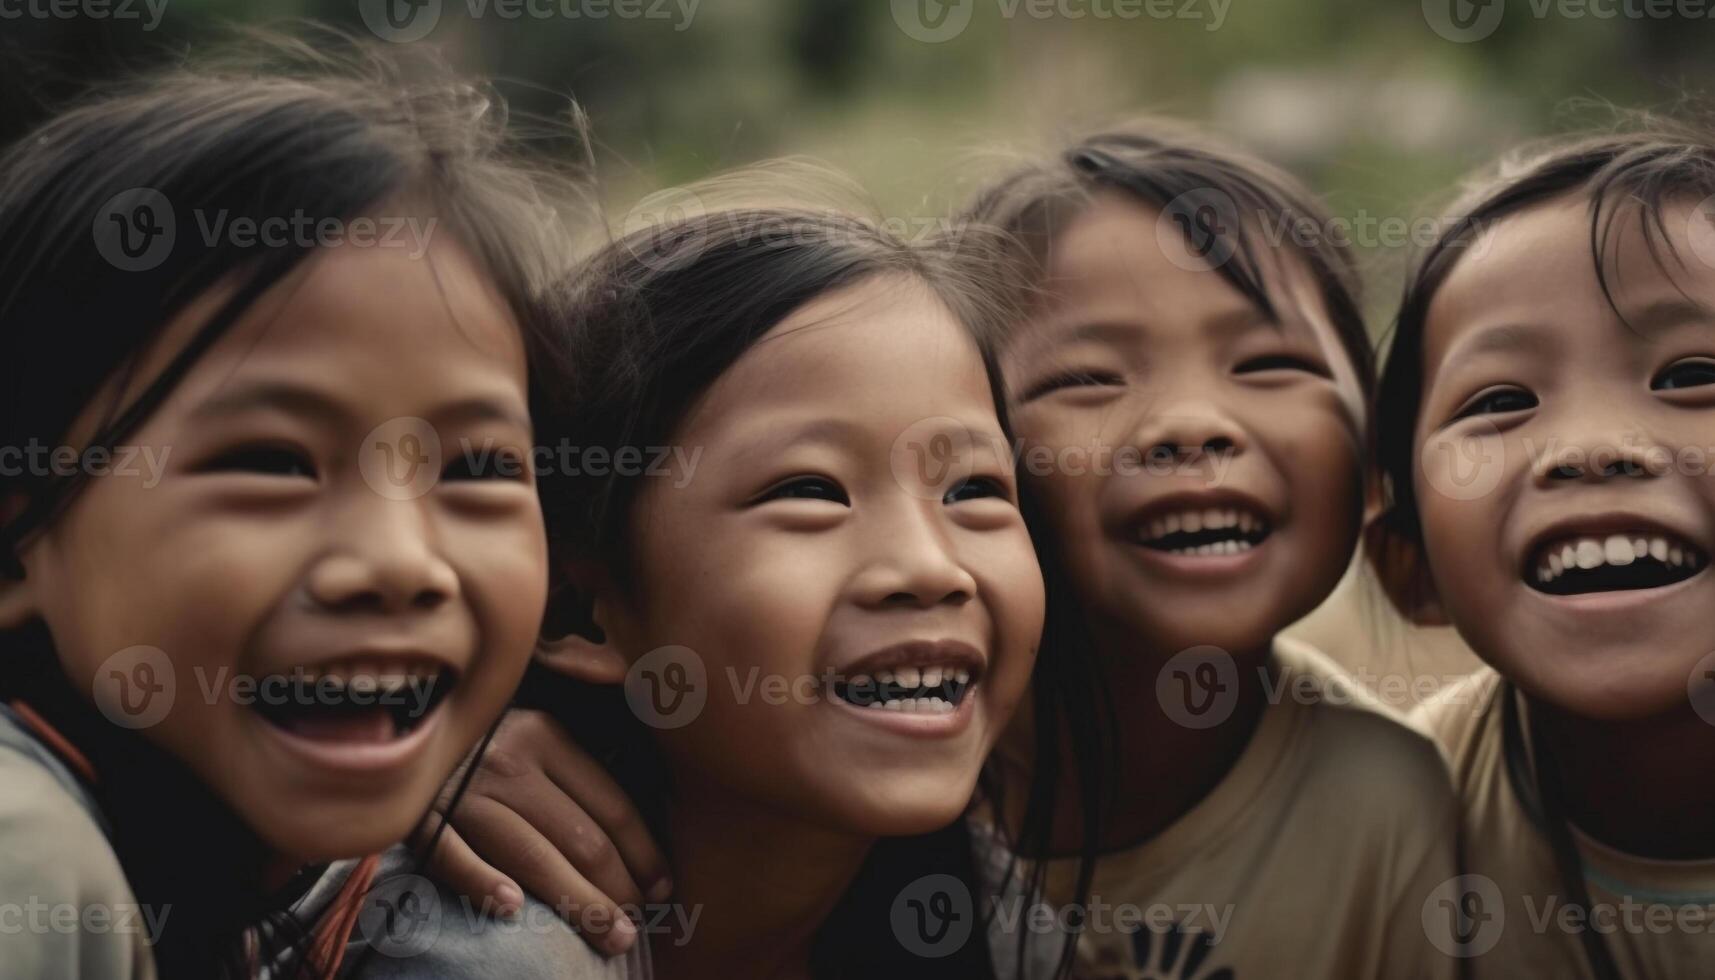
594, 661
1403, 570
17, 596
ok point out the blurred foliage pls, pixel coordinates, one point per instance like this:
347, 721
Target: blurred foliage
1363, 99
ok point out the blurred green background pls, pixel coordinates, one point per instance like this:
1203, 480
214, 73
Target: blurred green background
1379, 105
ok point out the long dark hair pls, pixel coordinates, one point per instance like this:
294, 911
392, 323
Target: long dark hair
655, 319
1645, 167
274, 129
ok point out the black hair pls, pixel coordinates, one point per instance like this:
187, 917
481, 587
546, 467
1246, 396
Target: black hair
656, 318
272, 129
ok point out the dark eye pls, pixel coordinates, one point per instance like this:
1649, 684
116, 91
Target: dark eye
1280, 362
1693, 372
1498, 401
976, 488
1072, 379
266, 460
485, 464
806, 488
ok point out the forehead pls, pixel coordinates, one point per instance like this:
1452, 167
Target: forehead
882, 351
1536, 269
1119, 262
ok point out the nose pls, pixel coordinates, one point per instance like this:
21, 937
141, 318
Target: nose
913, 562
382, 559
1188, 431
1600, 453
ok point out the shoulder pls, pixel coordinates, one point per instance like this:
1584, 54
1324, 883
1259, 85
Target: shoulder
61, 869
1358, 748
410, 926
1460, 716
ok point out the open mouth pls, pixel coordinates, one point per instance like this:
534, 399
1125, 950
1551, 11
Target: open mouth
1210, 531
354, 702
935, 689
1612, 562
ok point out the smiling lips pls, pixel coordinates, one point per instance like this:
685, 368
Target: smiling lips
1637, 559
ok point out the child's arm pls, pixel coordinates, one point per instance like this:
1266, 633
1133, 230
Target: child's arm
542, 813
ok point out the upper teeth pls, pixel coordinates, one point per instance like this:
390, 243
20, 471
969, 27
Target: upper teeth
906, 688
1587, 552
1238, 521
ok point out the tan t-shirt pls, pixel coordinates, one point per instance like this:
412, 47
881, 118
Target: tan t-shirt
1657, 917
1314, 858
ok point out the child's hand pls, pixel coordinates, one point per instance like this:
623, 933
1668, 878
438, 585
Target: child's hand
546, 813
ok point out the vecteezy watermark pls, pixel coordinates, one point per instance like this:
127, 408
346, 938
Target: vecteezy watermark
1465, 21
404, 21
667, 687
1470, 462
148, 11
135, 230
1013, 914
135, 688
305, 687
1466, 464
1464, 915
933, 916
38, 460
1700, 688
1199, 687
34, 916
936, 21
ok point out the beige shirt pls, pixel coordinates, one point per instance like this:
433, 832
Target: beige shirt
65, 908
1314, 858
1657, 917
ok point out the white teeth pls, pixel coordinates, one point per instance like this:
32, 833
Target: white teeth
1214, 519
1588, 552
1171, 523
1618, 550
932, 677
1193, 522
1232, 519
884, 676
1245, 522
1158, 529
963, 675
880, 704
895, 705
908, 676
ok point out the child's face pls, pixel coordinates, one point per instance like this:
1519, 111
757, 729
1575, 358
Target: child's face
809, 545
1199, 463
294, 534
1552, 430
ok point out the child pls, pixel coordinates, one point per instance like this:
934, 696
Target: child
1191, 408
1546, 407
240, 638
824, 639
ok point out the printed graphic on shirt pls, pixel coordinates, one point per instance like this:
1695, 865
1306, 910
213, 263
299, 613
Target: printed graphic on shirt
1176, 953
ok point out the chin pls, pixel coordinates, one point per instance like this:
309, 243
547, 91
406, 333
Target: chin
910, 811
1608, 694
334, 833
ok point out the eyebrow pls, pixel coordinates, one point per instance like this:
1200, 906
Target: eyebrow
1501, 338
1665, 314
1226, 322
292, 399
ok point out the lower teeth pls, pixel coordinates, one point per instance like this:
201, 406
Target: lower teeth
927, 706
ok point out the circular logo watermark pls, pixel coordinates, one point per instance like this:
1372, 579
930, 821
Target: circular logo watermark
400, 459
1464, 465
1700, 231
1198, 229
932, 916
1700, 687
1198, 687
134, 230
933, 21
135, 687
1464, 915
666, 230
932, 455
1464, 21
400, 21
667, 687
401, 916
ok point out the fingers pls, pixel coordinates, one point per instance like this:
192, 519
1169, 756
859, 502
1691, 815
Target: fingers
631, 864
511, 841
454, 864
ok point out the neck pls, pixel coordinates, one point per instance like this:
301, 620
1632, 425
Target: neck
752, 888
1626, 783
1165, 767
